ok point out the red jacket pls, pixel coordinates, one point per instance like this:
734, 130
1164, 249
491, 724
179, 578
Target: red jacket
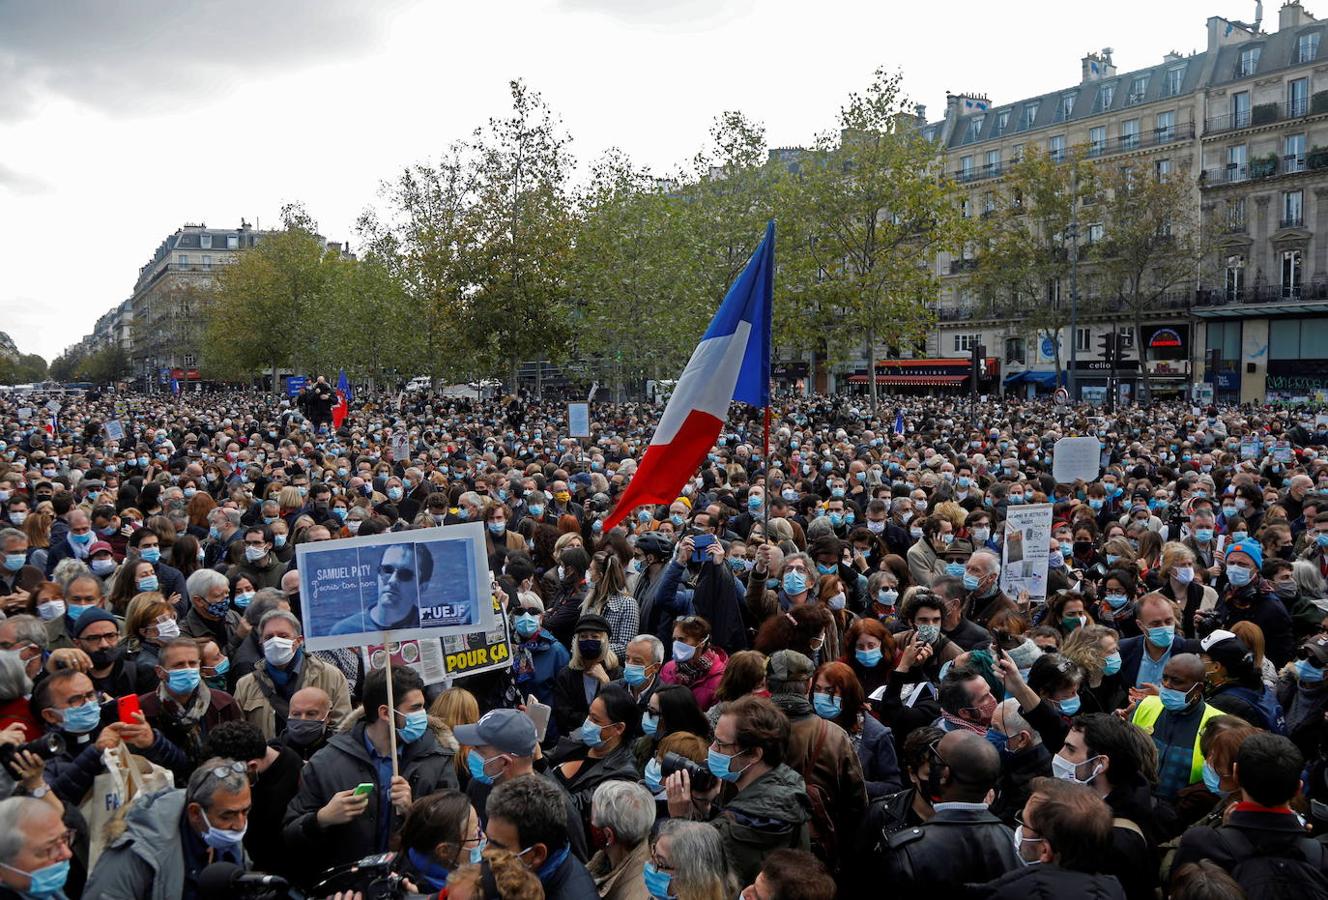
17, 710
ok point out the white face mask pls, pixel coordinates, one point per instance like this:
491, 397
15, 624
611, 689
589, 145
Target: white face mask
278, 650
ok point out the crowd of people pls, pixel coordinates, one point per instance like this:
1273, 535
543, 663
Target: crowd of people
804, 678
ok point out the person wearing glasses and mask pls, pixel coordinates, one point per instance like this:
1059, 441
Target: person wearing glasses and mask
166, 839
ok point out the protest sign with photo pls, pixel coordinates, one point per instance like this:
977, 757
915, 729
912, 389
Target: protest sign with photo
445, 659
1026, 550
430, 582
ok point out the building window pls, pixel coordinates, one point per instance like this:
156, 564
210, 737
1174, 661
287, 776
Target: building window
1014, 350
1056, 147
183, 259
1094, 233
988, 203
1293, 209
1225, 337
207, 261
190, 361
1249, 61
964, 343
1291, 273
1017, 153
992, 162
1067, 105
1161, 168
1236, 159
1235, 279
1240, 109
1298, 96
232, 242
1030, 114
975, 128
966, 207
1054, 292
1002, 122
1236, 215
1126, 337
965, 167
1307, 47
1138, 88
1165, 131
1097, 140
1083, 339
1293, 153
1296, 339
1105, 95
205, 241
1175, 78
1129, 134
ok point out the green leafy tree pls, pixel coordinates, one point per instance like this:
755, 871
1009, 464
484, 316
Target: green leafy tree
1023, 255
867, 215
266, 310
523, 225
1153, 244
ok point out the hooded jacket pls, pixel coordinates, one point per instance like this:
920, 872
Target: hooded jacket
143, 859
769, 814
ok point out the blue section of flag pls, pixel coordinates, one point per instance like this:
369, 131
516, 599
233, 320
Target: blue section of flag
751, 299
343, 385
899, 422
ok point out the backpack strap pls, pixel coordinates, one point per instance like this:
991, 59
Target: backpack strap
1128, 825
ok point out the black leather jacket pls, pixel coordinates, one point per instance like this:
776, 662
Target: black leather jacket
956, 847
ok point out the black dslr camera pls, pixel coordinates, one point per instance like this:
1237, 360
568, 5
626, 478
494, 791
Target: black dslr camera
48, 746
702, 779
372, 876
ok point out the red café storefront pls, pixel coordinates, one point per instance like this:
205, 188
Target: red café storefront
930, 377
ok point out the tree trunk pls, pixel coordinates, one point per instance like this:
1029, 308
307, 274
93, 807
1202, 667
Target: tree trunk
1056, 342
871, 366
276, 384
1145, 383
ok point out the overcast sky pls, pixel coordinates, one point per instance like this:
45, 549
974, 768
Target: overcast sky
120, 120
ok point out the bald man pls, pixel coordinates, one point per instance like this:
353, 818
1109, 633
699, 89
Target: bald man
1175, 718
308, 725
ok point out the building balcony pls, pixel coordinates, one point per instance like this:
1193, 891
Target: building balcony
1261, 114
1296, 221
962, 265
1264, 167
1125, 143
1262, 299
977, 173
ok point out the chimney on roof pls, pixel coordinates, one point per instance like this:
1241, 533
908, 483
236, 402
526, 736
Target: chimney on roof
1097, 66
1172, 57
1292, 15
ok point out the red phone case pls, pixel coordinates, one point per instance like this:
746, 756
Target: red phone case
127, 707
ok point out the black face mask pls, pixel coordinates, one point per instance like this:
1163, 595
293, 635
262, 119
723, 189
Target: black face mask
590, 649
104, 657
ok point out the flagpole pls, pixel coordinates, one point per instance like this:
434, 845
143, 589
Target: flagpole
765, 458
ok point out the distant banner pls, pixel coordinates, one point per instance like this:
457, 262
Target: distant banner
1026, 550
409, 585
444, 659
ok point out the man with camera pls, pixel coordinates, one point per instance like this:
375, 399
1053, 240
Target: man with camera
768, 808
164, 840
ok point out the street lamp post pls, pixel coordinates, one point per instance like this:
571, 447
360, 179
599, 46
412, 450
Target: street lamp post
1074, 284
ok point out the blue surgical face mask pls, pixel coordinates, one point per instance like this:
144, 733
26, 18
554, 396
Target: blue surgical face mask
654, 776
971, 581
719, 766
794, 582
1211, 780
658, 884
148, 583
81, 719
151, 554
1172, 699
475, 765
868, 658
182, 681
1069, 706
1116, 601
417, 722
1203, 535
1111, 664
1307, 672
650, 723
46, 881
591, 734
527, 625
1239, 576
634, 674
15, 561
1161, 636
827, 707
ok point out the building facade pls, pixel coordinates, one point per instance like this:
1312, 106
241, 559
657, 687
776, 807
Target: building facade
1246, 120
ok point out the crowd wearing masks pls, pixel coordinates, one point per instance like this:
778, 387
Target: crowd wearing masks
805, 677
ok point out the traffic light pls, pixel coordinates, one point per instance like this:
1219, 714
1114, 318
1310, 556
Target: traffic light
979, 361
1108, 344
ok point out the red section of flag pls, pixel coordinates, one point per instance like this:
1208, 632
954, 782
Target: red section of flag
340, 410
666, 467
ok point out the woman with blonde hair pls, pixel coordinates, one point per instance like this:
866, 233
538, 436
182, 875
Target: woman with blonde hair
592, 666
150, 623
289, 500
1181, 585
455, 706
37, 526
1251, 636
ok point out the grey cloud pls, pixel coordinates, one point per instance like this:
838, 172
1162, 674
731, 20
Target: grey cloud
17, 182
134, 56
665, 14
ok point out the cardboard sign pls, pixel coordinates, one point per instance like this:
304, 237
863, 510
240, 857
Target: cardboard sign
1076, 459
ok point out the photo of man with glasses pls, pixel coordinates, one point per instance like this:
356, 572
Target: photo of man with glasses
399, 574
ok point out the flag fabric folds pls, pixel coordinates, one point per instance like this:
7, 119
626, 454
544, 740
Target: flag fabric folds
342, 408
732, 362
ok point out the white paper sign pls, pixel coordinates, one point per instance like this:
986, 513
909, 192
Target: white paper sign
53, 405
1026, 549
114, 430
578, 420
24, 413
1076, 458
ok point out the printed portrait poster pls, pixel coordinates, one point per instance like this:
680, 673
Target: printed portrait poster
409, 585
444, 659
1027, 547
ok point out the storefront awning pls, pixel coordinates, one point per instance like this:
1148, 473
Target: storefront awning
912, 380
1043, 379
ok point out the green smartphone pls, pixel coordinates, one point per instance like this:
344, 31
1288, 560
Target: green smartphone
365, 788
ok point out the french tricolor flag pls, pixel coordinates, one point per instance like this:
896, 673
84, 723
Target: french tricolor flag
732, 362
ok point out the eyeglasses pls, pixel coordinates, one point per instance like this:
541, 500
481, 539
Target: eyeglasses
52, 850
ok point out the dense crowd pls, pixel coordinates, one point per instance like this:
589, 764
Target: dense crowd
803, 678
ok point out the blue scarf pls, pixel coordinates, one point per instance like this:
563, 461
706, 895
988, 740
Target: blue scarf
552, 863
433, 872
